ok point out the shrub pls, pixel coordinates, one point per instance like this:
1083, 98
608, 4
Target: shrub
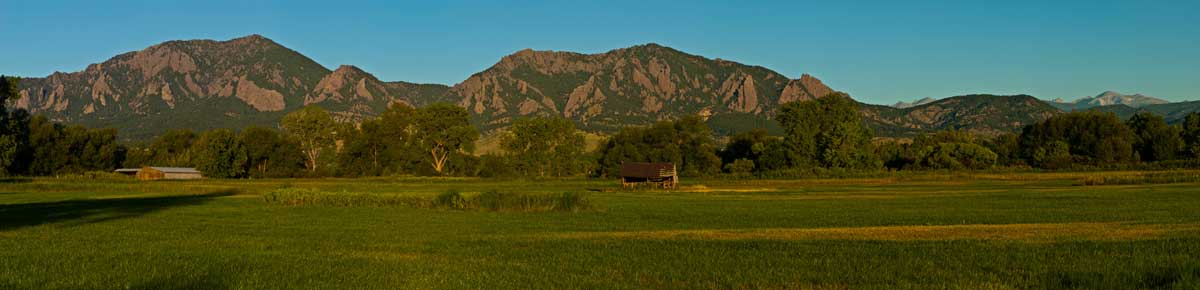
956, 156
573, 202
740, 166
490, 200
508, 201
450, 199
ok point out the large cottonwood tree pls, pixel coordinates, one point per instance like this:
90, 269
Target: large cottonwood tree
444, 131
313, 128
544, 147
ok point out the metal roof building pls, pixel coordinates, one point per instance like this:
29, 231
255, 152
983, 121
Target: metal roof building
154, 173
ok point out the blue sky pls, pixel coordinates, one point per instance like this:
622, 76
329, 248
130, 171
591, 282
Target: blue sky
878, 51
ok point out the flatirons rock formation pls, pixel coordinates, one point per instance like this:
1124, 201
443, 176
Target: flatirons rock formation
635, 85
252, 71
204, 84
354, 94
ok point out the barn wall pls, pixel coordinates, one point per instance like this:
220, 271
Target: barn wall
182, 176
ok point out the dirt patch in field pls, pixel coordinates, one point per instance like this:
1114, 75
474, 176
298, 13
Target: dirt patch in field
1007, 232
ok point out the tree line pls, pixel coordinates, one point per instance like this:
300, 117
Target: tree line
438, 140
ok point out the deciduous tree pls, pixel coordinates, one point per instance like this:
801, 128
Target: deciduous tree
1093, 138
1154, 140
219, 154
445, 131
173, 148
828, 132
1191, 134
313, 128
687, 142
13, 127
545, 147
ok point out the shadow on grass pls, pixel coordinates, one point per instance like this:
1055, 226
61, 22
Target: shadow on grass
15, 180
203, 282
197, 283
15, 216
1172, 277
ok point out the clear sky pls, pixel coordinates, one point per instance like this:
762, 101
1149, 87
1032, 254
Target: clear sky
878, 51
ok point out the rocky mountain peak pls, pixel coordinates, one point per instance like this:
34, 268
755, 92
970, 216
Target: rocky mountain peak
805, 88
636, 84
253, 80
252, 39
1115, 98
244, 75
918, 102
351, 71
1108, 94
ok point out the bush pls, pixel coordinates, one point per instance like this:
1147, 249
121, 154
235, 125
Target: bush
956, 156
740, 166
573, 202
490, 200
450, 199
509, 201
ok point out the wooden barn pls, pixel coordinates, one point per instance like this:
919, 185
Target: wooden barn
156, 173
660, 175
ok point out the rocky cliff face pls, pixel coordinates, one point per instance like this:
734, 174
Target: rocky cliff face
202, 84
629, 86
261, 74
353, 94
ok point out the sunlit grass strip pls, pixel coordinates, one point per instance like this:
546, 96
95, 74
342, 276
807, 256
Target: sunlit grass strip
451, 199
1006, 232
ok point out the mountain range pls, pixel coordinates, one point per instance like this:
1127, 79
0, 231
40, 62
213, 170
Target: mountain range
1108, 98
1172, 112
252, 80
918, 102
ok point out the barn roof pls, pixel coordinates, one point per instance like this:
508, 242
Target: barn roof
647, 170
162, 169
176, 169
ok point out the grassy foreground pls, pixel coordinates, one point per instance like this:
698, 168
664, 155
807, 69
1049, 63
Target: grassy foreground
980, 231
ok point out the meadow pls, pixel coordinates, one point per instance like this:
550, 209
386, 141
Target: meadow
1096, 230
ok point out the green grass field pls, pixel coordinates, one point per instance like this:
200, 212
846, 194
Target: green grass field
933, 231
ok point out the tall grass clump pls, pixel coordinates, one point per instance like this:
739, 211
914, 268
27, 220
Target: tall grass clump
492, 200
451, 199
573, 202
305, 196
1155, 178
